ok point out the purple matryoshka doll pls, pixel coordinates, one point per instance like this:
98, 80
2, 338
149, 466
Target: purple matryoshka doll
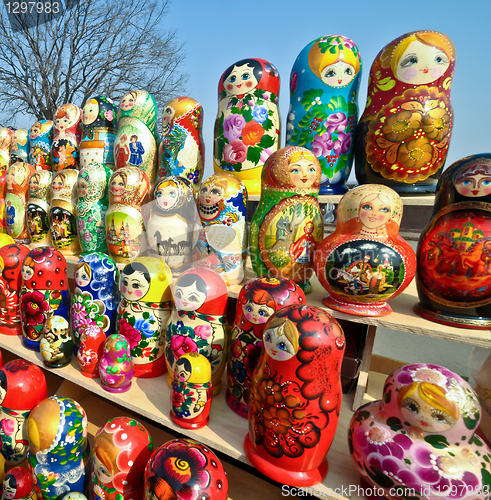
5, 142
257, 301
56, 342
295, 396
419, 439
91, 349
247, 126
18, 485
323, 113
67, 136
38, 207
40, 143
403, 136
19, 146
116, 367
287, 225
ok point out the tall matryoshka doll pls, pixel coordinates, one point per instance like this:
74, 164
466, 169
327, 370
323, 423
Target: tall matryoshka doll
3, 194
5, 143
144, 311
454, 250
403, 136
38, 208
40, 143
247, 126
19, 146
296, 395
287, 225
324, 85
67, 136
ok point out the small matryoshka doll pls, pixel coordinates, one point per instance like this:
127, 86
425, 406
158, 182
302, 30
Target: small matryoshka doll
182, 150
3, 194
295, 396
122, 448
247, 126
40, 143
403, 136
257, 301
38, 207
116, 368
93, 202
19, 146
44, 292
323, 113
198, 323
18, 485
67, 136
58, 446
56, 343
420, 437
144, 311
365, 262
125, 231
22, 387
5, 142
454, 251
91, 349
287, 225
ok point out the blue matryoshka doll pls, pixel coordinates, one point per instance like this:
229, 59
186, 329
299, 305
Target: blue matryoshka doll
40, 142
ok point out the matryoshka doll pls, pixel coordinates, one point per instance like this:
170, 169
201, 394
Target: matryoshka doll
144, 311
247, 126
40, 143
365, 262
198, 322
287, 225
323, 113
182, 150
257, 301
116, 367
454, 251
19, 146
91, 349
122, 448
295, 396
3, 194
67, 137
22, 387
5, 142
420, 437
18, 485
403, 136
125, 231
141, 105
38, 207
56, 343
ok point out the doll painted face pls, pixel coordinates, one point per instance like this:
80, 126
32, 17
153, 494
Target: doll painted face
211, 195
127, 102
189, 298
258, 314
277, 344
474, 180
167, 117
117, 186
183, 369
9, 489
91, 110
27, 272
83, 187
10, 177
82, 276
303, 172
167, 196
35, 131
62, 122
241, 80
338, 74
103, 473
58, 183
135, 286
33, 183
375, 210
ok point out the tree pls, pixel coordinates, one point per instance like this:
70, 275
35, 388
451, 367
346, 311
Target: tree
97, 47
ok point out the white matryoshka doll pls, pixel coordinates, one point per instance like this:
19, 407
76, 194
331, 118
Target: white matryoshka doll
40, 143
19, 146
323, 113
198, 322
403, 136
247, 126
222, 244
144, 311
38, 208
5, 143
67, 136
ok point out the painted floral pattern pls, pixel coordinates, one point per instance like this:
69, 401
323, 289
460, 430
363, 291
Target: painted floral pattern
87, 311
36, 307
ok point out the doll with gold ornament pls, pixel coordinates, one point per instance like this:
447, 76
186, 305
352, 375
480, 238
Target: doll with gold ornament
38, 208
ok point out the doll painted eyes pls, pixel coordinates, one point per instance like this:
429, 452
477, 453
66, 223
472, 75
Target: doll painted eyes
409, 60
368, 206
411, 405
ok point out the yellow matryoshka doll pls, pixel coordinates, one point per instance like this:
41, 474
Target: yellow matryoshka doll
5, 142
38, 208
67, 136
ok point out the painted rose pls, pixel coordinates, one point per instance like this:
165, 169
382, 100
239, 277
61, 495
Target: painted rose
108, 115
203, 331
34, 306
336, 122
235, 152
320, 145
252, 133
232, 126
181, 345
259, 113
132, 334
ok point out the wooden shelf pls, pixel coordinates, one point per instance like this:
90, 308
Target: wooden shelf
426, 200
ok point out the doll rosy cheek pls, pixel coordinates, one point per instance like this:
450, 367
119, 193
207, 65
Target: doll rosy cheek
138, 293
436, 72
124, 289
249, 85
409, 74
230, 86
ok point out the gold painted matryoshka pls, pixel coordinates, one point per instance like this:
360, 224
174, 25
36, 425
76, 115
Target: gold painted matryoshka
38, 207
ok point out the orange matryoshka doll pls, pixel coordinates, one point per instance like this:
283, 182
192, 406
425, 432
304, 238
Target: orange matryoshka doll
38, 208
40, 143
67, 136
5, 142
403, 136
19, 146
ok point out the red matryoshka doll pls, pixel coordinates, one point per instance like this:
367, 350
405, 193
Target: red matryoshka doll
403, 136
40, 143
454, 250
18, 485
5, 142
56, 343
287, 225
91, 349
11, 258
198, 323
420, 437
19, 146
258, 300
365, 262
247, 126
22, 387
67, 136
38, 207
295, 396
3, 194
125, 231
116, 368
122, 448
181, 469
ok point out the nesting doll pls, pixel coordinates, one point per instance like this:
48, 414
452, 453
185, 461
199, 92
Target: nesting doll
247, 126
141, 105
91, 349
100, 124
116, 367
66, 138
11, 258
93, 202
44, 292
258, 300
5, 142
3, 194
62, 214
198, 322
125, 231
19, 146
40, 143
74, 495
16, 201
18, 485
454, 251
295, 396
323, 113
144, 311
181, 466
287, 225
56, 343
403, 136
58, 446
181, 151
38, 207
22, 387
96, 296
365, 262
222, 243
420, 440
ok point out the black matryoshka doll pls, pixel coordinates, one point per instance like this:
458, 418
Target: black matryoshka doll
40, 143
454, 251
403, 136
5, 142
19, 146
38, 207
67, 136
